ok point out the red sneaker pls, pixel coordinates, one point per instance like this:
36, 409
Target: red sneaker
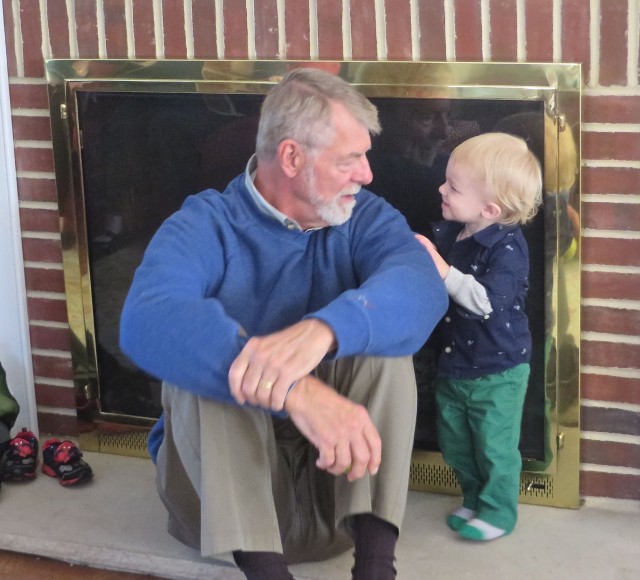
20, 458
62, 459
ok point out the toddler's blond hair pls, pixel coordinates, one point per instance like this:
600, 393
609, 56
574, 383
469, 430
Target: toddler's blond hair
510, 171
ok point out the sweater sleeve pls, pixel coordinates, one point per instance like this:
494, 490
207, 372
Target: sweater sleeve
400, 297
171, 326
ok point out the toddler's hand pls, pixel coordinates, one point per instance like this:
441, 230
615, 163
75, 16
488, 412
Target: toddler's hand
443, 267
426, 242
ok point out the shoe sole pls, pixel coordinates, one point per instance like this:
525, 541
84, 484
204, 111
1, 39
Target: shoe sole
66, 482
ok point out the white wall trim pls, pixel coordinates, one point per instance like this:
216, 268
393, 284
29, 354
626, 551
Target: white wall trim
15, 346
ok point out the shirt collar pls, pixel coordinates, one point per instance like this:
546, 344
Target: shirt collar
486, 237
262, 204
493, 234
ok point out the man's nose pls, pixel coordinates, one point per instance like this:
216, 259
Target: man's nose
363, 174
441, 127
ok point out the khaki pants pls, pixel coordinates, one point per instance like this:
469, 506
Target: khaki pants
236, 478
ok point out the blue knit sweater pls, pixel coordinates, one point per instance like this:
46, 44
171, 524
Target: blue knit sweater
219, 271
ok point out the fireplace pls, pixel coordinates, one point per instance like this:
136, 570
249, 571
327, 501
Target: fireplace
132, 139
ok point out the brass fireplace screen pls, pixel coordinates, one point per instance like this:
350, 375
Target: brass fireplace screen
132, 139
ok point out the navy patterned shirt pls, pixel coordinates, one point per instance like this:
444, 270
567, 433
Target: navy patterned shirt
476, 345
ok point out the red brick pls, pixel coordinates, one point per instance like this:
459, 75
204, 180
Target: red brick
575, 32
54, 396
31, 38
31, 128
610, 180
610, 420
504, 30
363, 30
47, 309
620, 146
9, 26
610, 320
611, 285
613, 42
296, 16
266, 28
59, 425
204, 29
330, 30
398, 20
115, 28
613, 485
39, 220
235, 29
539, 30
143, 29
611, 109
610, 354
175, 45
58, 22
28, 96
86, 29
32, 159
432, 31
611, 216
614, 252
609, 388
468, 30
40, 250
52, 367
37, 189
43, 337
610, 453
44, 280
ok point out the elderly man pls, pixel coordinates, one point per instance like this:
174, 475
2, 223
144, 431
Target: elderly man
280, 315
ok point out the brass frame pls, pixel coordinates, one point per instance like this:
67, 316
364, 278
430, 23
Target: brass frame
558, 85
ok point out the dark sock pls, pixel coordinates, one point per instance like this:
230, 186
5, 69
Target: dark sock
262, 565
375, 546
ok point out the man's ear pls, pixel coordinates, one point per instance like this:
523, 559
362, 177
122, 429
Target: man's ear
291, 157
492, 211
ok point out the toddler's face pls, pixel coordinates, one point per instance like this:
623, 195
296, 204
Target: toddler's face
464, 196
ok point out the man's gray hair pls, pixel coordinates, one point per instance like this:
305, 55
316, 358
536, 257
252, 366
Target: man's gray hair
299, 108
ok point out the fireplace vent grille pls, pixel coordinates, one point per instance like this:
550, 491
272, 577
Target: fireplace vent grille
435, 476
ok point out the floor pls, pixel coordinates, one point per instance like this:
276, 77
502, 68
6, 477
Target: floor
116, 522
15, 566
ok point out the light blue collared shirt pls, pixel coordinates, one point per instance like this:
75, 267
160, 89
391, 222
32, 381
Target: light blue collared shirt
263, 205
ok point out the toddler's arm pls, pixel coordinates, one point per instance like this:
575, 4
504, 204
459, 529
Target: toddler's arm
443, 267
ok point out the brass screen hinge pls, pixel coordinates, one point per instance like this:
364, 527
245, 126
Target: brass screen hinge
63, 111
562, 123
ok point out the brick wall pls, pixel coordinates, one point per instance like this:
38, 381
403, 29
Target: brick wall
602, 35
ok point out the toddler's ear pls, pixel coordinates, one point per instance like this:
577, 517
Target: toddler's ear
492, 211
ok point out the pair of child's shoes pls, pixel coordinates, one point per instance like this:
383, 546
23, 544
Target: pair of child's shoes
469, 527
60, 459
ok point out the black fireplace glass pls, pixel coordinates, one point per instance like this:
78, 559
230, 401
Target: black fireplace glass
144, 153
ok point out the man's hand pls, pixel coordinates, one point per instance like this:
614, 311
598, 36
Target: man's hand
443, 267
347, 440
267, 365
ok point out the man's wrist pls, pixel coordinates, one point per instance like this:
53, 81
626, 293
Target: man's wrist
295, 394
333, 344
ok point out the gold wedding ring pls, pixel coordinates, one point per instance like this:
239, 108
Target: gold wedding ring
347, 470
266, 385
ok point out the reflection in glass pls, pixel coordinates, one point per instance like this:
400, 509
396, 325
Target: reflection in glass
144, 153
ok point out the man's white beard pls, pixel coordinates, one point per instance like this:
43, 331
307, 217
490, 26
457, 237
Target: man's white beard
334, 212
